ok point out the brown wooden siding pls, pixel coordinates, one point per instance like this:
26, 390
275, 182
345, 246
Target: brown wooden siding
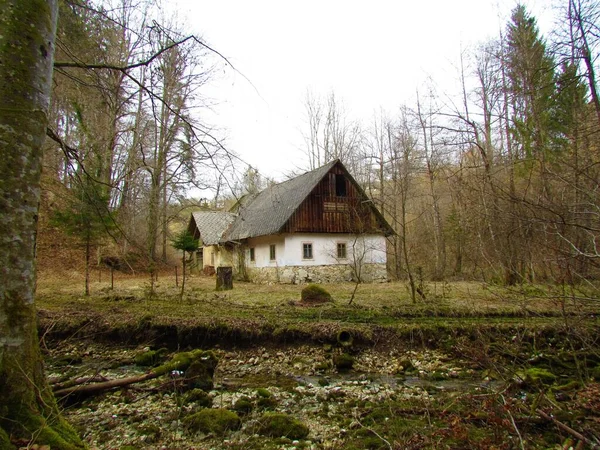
325, 212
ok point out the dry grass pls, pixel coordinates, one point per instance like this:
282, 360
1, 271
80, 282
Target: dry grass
382, 304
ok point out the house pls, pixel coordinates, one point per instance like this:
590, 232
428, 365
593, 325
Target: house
317, 227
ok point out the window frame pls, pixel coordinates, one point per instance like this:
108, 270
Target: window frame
272, 252
252, 255
345, 247
308, 246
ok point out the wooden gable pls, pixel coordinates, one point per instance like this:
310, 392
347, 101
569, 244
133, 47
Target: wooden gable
336, 205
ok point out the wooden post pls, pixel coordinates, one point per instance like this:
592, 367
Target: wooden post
112, 278
224, 278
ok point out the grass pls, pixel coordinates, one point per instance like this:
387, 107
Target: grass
251, 311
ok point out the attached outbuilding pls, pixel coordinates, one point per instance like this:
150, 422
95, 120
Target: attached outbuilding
208, 227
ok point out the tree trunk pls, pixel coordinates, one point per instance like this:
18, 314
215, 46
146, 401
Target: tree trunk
87, 266
183, 279
27, 407
224, 278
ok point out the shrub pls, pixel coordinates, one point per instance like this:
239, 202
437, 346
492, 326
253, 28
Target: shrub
315, 294
277, 425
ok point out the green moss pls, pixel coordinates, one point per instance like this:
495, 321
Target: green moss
243, 405
277, 425
266, 403
535, 376
215, 421
182, 361
567, 387
343, 362
314, 293
149, 358
264, 393
5, 441
55, 433
199, 375
199, 397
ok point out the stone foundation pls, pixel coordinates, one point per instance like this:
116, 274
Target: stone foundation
315, 274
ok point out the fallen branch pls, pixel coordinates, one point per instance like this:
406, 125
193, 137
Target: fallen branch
180, 362
106, 385
568, 429
60, 384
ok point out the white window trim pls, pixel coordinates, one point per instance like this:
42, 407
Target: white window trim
337, 252
312, 251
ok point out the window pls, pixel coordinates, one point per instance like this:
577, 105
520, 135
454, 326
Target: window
272, 254
340, 185
307, 251
341, 250
252, 256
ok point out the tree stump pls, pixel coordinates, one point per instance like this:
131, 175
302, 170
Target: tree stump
224, 278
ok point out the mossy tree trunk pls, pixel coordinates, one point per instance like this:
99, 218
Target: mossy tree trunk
27, 407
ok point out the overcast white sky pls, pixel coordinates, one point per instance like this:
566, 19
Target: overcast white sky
373, 54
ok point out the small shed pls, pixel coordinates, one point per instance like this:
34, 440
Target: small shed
208, 227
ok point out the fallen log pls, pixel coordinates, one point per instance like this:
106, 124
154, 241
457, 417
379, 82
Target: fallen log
178, 364
568, 429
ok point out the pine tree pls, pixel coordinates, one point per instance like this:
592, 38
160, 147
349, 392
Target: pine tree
185, 242
530, 71
86, 217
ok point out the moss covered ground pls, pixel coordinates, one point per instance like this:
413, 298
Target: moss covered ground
415, 382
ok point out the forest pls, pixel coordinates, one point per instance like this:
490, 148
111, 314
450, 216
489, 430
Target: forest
496, 184
484, 337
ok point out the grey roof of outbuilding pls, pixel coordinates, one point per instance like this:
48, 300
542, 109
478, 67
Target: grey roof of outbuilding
212, 225
268, 211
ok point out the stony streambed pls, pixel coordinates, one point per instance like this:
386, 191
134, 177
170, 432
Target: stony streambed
301, 381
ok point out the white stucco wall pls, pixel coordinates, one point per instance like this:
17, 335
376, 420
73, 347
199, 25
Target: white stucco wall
262, 252
371, 249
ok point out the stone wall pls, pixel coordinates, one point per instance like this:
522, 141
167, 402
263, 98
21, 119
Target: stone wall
315, 274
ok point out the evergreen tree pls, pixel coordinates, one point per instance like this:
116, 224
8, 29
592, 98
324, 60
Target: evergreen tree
530, 71
86, 217
185, 242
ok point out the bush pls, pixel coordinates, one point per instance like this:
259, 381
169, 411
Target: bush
215, 421
277, 425
315, 294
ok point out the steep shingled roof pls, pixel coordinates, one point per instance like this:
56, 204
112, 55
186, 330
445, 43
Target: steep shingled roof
267, 212
211, 225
